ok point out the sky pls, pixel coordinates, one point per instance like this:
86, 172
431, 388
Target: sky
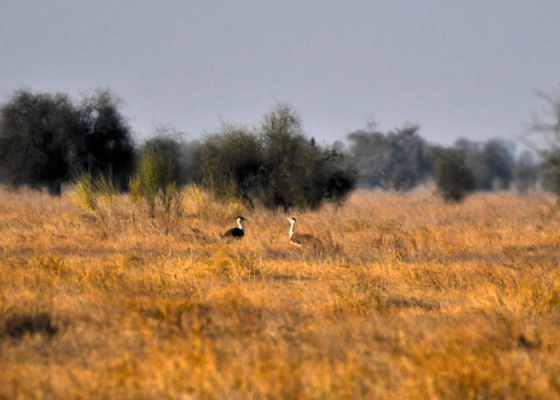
456, 68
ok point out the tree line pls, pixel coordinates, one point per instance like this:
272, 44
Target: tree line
48, 139
401, 159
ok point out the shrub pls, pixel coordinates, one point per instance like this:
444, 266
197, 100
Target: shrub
170, 150
185, 156
156, 182
453, 178
232, 163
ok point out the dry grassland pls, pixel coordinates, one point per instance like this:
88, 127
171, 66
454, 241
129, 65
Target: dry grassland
406, 298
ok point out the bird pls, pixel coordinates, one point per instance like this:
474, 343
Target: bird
236, 233
299, 239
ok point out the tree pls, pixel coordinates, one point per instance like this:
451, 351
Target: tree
474, 161
372, 154
549, 173
298, 172
38, 139
526, 172
45, 139
232, 162
547, 144
275, 163
491, 163
499, 162
106, 143
453, 178
396, 160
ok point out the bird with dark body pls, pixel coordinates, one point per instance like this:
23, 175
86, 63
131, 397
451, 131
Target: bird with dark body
236, 233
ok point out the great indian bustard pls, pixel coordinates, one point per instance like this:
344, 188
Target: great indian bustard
300, 239
236, 233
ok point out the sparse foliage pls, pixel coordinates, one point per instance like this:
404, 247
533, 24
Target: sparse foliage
547, 143
169, 149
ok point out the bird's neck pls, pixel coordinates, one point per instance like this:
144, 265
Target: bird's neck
292, 229
240, 225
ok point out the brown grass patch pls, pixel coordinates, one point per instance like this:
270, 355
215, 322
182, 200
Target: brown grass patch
406, 297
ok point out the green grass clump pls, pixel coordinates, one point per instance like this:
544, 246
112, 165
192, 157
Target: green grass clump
95, 196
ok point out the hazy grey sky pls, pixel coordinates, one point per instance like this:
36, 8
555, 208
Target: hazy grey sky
455, 67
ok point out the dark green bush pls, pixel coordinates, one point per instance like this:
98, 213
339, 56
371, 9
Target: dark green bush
276, 164
106, 143
298, 172
46, 140
453, 178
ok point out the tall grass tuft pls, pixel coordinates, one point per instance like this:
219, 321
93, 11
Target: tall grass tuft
95, 196
84, 194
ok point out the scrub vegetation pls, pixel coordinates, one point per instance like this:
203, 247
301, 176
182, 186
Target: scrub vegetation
48, 140
407, 297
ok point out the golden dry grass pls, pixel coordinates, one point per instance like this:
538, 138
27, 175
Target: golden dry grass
406, 298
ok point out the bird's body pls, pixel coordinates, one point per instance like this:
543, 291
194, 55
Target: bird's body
236, 233
299, 239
